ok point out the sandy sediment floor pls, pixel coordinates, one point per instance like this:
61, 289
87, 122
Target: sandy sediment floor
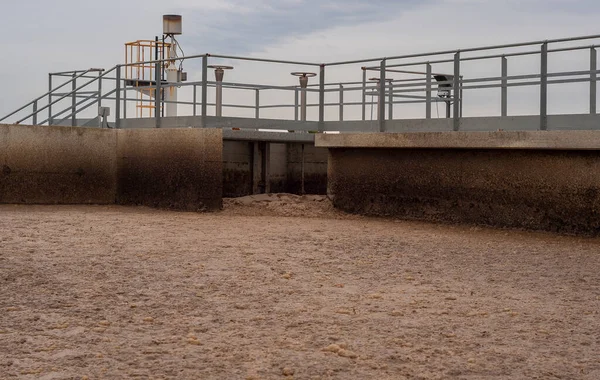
115, 292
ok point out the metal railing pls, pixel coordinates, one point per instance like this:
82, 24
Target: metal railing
67, 102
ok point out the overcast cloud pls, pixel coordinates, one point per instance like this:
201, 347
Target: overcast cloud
52, 35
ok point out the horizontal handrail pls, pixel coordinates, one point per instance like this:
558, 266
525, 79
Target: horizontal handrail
64, 96
41, 97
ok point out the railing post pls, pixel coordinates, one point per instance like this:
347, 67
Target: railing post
158, 94
504, 97
296, 104
321, 97
364, 93
381, 108
125, 100
204, 89
73, 100
341, 102
544, 88
303, 103
391, 101
428, 93
461, 96
118, 99
99, 89
456, 92
195, 100
593, 80
50, 99
257, 103
35, 106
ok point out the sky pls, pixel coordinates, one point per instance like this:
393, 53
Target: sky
41, 36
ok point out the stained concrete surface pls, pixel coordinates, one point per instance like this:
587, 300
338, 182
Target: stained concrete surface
315, 169
544, 140
170, 168
176, 168
534, 189
51, 165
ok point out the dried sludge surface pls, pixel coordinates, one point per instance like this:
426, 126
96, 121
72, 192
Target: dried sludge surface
106, 292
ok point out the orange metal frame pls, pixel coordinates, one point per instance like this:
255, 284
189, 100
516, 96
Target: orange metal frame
136, 53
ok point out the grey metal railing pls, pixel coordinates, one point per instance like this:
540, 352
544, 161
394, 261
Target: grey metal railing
442, 71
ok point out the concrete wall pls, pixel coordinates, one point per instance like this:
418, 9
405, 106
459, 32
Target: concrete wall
553, 190
237, 168
176, 168
257, 167
170, 168
278, 168
315, 169
57, 165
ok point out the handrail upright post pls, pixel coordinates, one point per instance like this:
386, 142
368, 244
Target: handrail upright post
456, 92
73, 101
50, 99
296, 102
504, 97
118, 99
99, 89
158, 95
593, 80
257, 103
204, 89
34, 117
391, 101
364, 93
544, 88
428, 93
321, 98
195, 100
341, 102
125, 100
461, 97
381, 108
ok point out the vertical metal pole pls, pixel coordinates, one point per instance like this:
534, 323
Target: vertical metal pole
456, 91
461, 97
593, 80
118, 99
303, 104
504, 105
257, 103
381, 108
364, 93
125, 101
219, 99
73, 101
204, 88
99, 89
296, 104
391, 101
428, 93
158, 94
35, 107
321, 98
544, 88
341, 102
49, 99
195, 100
